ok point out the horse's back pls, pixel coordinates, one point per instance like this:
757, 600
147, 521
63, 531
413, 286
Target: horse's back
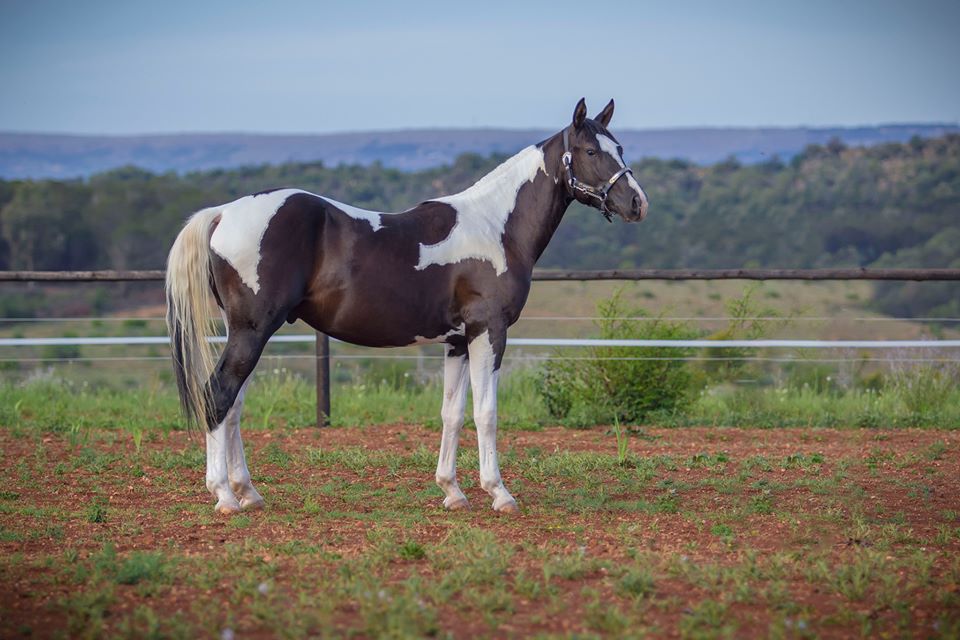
356, 274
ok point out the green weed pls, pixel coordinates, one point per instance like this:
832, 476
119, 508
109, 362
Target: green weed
96, 511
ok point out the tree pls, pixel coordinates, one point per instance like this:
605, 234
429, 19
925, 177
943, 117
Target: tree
44, 226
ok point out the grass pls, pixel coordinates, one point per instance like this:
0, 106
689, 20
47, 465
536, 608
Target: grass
73, 397
96, 511
280, 401
713, 541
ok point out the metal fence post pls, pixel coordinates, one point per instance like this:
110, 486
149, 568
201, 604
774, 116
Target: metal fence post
323, 379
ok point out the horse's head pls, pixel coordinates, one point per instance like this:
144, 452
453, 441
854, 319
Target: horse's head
594, 168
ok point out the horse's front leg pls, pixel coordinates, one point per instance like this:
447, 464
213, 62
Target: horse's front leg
486, 351
455, 380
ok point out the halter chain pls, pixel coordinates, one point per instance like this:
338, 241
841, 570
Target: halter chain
599, 193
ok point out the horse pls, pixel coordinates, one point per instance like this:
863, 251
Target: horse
454, 270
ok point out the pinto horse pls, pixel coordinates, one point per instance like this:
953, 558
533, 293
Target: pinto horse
455, 270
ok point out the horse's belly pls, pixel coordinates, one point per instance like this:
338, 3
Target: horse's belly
375, 316
372, 334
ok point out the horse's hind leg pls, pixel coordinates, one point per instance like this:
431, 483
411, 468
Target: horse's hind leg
227, 475
226, 465
219, 462
237, 471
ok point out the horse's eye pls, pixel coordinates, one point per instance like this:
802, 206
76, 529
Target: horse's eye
591, 152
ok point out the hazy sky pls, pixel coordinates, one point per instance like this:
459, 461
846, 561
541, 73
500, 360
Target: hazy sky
128, 66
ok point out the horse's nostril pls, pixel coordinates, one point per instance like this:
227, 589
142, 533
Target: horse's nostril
635, 205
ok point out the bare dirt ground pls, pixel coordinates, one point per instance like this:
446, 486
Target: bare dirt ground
689, 533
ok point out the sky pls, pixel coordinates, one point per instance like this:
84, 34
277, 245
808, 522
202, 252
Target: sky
124, 67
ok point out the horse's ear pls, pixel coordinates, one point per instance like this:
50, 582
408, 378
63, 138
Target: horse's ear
580, 113
604, 116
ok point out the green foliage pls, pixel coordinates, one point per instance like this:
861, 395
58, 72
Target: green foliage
622, 441
620, 383
887, 205
142, 567
96, 511
412, 550
638, 582
728, 363
913, 396
45, 225
275, 455
722, 531
924, 387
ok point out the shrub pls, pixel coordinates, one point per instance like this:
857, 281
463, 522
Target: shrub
923, 387
620, 383
747, 321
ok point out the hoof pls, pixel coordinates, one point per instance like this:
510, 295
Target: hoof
227, 508
252, 504
509, 506
456, 504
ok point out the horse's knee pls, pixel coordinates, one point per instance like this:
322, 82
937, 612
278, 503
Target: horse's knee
452, 419
485, 419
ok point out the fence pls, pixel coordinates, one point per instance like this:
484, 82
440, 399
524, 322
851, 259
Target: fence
322, 356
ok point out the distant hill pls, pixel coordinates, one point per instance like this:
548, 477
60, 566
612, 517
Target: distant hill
885, 205
68, 156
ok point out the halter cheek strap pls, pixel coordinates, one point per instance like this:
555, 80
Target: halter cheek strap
599, 193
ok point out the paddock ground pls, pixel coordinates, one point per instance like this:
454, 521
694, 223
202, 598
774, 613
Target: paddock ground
699, 532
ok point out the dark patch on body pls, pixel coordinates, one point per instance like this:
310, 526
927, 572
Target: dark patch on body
319, 264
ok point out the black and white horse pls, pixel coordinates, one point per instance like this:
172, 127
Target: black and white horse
454, 270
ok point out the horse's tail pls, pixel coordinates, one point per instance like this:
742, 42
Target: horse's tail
189, 323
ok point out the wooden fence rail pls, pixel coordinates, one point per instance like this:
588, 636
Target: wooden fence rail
556, 274
323, 341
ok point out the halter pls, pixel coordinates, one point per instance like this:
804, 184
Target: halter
599, 193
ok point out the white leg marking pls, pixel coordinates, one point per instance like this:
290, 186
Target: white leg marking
217, 480
227, 473
484, 380
455, 380
237, 470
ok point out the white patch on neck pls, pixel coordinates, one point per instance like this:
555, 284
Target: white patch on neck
482, 213
611, 147
243, 222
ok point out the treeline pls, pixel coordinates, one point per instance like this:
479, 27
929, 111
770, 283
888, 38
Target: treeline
888, 205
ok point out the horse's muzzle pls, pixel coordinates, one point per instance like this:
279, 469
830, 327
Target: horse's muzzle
638, 209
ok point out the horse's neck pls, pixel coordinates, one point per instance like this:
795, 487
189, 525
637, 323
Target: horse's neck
518, 204
539, 207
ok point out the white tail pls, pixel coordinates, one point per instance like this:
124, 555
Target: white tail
189, 321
